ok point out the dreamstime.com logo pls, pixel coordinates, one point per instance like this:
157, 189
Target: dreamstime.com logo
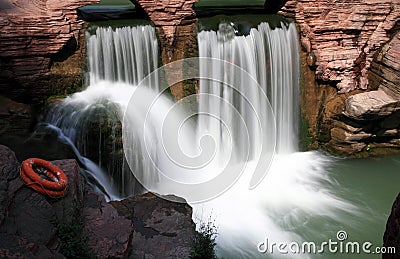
340, 245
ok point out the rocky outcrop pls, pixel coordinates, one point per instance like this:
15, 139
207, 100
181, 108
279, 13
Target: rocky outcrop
35, 37
162, 229
340, 41
341, 37
371, 120
391, 237
176, 25
83, 224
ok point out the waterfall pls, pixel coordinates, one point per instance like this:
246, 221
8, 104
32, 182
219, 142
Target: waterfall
297, 188
162, 140
126, 54
118, 59
269, 56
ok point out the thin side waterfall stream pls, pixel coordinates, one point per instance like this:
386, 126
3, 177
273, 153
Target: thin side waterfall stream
124, 144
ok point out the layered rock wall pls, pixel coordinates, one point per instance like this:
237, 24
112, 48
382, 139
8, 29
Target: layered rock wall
371, 119
341, 37
34, 36
340, 41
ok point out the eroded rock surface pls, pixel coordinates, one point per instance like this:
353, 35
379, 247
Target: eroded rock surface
341, 37
376, 113
162, 229
35, 36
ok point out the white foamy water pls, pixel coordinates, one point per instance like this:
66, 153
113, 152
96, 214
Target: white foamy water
297, 188
172, 154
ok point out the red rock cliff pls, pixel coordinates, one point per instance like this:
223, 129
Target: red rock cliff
341, 37
35, 34
176, 26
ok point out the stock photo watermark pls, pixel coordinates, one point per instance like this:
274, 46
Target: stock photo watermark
184, 173
338, 245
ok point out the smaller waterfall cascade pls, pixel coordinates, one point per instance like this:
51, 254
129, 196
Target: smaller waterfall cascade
126, 54
118, 60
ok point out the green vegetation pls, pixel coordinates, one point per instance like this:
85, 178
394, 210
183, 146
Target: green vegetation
69, 230
204, 244
306, 139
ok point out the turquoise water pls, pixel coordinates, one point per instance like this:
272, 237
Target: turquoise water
372, 184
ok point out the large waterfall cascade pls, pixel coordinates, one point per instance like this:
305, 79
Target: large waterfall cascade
294, 191
269, 56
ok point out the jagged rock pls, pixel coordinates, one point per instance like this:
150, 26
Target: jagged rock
385, 69
375, 113
371, 105
342, 136
162, 229
108, 234
344, 36
346, 127
391, 237
347, 148
34, 36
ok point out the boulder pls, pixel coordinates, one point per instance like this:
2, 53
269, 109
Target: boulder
162, 229
108, 234
371, 105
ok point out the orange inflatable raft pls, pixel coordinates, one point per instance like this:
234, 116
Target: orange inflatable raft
44, 177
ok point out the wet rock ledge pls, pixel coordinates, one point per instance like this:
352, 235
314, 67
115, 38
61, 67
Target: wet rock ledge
83, 224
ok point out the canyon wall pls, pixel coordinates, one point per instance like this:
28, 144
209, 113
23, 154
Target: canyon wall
176, 25
340, 41
341, 37
41, 48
